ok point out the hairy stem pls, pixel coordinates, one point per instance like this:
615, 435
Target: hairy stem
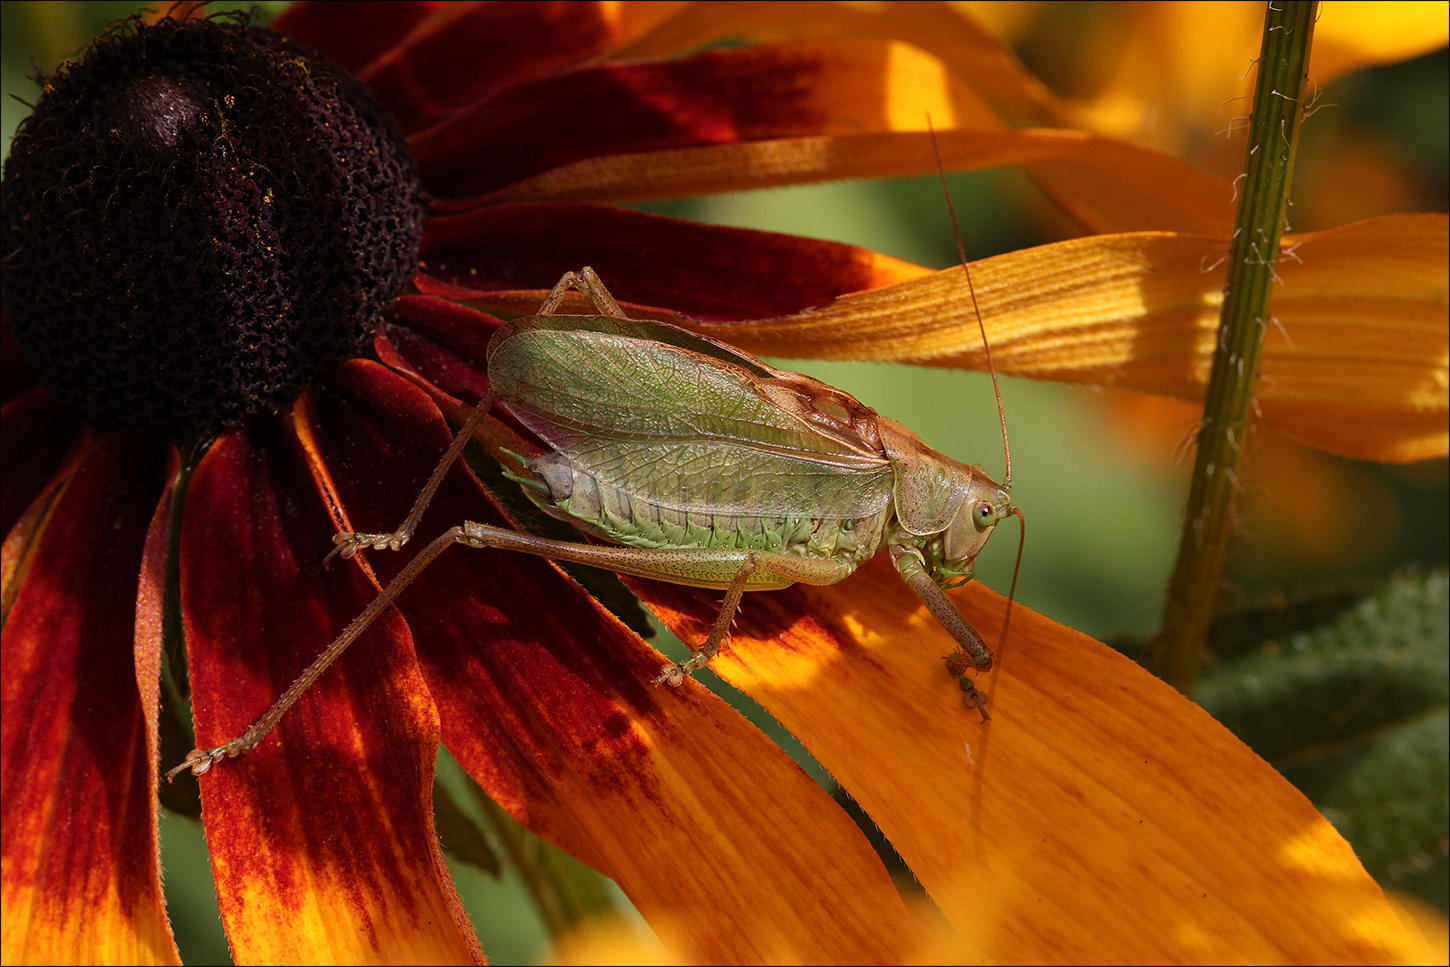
1278, 110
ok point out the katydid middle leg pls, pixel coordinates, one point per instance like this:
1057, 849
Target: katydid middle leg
730, 568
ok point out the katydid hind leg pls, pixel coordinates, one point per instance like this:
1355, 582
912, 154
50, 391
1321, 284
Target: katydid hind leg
200, 761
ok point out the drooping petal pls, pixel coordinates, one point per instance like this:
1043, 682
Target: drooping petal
36, 433
1360, 306
718, 97
725, 845
1110, 186
1098, 816
354, 32
941, 29
322, 838
470, 51
708, 271
81, 881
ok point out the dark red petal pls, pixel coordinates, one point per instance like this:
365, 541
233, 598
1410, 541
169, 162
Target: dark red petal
719, 97
36, 433
322, 838
476, 50
707, 271
444, 343
81, 881
354, 33
546, 701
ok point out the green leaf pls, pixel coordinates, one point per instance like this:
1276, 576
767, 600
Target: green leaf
1350, 702
1391, 803
460, 835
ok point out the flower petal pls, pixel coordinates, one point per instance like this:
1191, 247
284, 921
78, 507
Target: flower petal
444, 343
718, 97
322, 838
708, 271
354, 34
1350, 36
82, 881
546, 701
36, 433
1363, 305
1108, 185
471, 51
1099, 815
941, 29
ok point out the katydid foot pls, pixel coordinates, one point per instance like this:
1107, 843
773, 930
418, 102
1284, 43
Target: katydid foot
972, 697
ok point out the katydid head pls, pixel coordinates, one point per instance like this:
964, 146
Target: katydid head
945, 508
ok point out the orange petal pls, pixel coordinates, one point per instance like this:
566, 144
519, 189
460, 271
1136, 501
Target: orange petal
82, 881
1361, 306
322, 838
1353, 35
1106, 184
730, 851
1186, 69
1098, 816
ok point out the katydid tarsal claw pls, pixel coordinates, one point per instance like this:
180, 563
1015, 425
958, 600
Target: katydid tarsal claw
640, 421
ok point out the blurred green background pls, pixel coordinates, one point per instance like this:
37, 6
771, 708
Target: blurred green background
1100, 475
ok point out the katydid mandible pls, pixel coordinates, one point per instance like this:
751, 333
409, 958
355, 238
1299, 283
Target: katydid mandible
700, 465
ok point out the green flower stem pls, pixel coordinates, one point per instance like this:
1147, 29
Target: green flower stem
1278, 110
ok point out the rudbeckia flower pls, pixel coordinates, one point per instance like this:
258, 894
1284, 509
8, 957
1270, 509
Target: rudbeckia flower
234, 330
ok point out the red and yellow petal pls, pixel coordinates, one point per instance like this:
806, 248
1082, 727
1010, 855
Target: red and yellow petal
725, 845
718, 97
322, 838
466, 52
1099, 815
81, 878
706, 271
943, 30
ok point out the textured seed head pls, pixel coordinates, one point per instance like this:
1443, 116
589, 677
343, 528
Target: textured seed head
196, 219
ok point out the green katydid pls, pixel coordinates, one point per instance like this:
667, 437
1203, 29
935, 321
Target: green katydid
700, 465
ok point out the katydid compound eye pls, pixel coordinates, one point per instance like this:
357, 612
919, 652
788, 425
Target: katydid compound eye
985, 513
